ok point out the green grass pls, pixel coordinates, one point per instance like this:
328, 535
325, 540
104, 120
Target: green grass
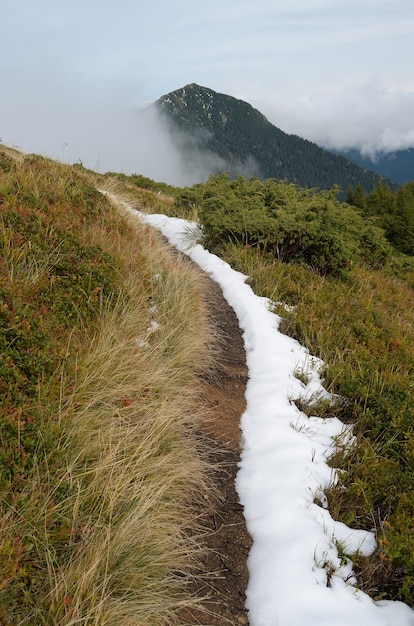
362, 326
102, 337
360, 321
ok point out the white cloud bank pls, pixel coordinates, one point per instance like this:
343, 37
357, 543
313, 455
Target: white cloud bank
75, 73
367, 116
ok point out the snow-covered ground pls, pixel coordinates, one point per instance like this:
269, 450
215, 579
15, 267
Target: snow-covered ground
295, 574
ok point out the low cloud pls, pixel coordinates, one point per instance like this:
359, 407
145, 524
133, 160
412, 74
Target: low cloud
369, 117
193, 161
103, 131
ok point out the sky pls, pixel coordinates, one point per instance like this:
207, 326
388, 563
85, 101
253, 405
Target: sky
283, 468
77, 76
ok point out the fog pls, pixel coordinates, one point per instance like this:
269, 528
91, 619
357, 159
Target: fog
108, 132
104, 135
76, 77
369, 117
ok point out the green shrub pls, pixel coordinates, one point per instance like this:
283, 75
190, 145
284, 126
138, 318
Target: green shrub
361, 325
291, 223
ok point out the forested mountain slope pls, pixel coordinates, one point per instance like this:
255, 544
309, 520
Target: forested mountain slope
246, 143
398, 166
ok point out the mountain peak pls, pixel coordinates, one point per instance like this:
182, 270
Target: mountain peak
204, 104
237, 134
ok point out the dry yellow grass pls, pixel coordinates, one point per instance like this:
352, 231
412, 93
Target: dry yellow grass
134, 468
107, 516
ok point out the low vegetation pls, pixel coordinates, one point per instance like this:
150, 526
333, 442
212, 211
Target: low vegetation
102, 336
351, 302
392, 210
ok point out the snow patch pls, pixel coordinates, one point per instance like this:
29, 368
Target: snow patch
297, 576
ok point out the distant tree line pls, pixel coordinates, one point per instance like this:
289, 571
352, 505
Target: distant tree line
393, 211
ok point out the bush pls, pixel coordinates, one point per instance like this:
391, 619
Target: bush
293, 224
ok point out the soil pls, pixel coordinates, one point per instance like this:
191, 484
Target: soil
224, 574
228, 542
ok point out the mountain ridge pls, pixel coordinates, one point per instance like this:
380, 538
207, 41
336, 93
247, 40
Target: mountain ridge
397, 165
244, 142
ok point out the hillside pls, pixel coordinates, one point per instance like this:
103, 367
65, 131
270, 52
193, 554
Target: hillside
350, 301
347, 295
103, 339
398, 166
245, 143
112, 358
276, 495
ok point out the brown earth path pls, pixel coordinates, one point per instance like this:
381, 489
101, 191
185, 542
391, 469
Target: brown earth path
223, 393
224, 575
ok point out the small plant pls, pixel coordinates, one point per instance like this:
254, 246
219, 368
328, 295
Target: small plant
315, 404
302, 373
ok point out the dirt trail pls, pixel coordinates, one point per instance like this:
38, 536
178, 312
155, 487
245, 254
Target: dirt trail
224, 571
224, 575
228, 540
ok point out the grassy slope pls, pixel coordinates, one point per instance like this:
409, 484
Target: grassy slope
361, 324
98, 458
362, 328
101, 340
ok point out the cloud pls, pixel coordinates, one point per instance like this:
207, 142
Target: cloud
336, 73
368, 116
102, 127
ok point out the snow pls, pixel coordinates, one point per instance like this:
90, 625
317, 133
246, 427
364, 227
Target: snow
296, 577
